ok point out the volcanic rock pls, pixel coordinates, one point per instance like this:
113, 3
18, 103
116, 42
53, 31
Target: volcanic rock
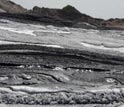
10, 7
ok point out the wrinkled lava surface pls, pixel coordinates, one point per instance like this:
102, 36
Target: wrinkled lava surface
47, 65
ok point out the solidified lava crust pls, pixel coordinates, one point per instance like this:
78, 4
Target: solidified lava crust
59, 76
63, 98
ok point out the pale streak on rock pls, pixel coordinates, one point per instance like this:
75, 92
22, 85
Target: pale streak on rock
119, 49
29, 89
27, 31
54, 46
8, 90
107, 90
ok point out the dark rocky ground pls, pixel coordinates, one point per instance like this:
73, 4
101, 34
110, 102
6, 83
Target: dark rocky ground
58, 66
41, 64
59, 76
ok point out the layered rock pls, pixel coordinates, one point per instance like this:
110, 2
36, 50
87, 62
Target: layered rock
67, 16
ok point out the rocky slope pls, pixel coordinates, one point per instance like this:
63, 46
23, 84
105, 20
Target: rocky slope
11, 7
113, 23
77, 19
67, 16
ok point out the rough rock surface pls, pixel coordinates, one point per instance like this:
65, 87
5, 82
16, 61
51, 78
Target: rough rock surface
11, 7
67, 16
48, 65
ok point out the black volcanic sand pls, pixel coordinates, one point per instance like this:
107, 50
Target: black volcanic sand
38, 75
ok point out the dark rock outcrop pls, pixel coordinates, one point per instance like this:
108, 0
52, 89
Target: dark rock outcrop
113, 23
76, 19
67, 14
